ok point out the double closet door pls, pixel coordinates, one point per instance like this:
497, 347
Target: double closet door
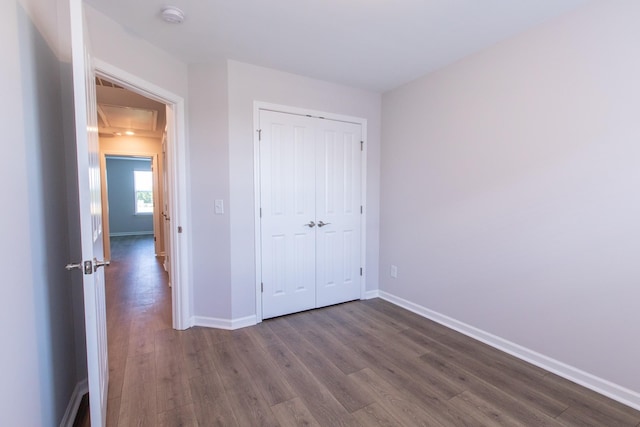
311, 213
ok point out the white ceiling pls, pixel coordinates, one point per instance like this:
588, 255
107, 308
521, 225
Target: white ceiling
120, 110
372, 44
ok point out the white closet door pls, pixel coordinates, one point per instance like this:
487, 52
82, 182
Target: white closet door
338, 201
287, 197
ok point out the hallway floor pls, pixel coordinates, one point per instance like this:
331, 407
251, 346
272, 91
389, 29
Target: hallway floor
138, 311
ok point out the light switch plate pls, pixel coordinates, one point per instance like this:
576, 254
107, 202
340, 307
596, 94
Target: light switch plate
394, 271
219, 207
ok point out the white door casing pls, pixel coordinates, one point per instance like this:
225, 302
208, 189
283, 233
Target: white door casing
178, 232
90, 213
310, 197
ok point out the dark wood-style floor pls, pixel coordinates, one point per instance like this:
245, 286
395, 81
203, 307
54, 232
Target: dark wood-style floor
363, 363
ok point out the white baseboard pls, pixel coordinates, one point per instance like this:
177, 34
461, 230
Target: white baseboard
607, 388
371, 294
229, 324
69, 417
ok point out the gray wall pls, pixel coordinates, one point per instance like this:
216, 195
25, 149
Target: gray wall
38, 363
209, 174
510, 194
120, 189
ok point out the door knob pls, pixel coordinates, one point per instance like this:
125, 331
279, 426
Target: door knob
97, 264
86, 267
311, 224
322, 224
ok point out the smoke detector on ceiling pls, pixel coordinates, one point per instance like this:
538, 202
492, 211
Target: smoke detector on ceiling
172, 15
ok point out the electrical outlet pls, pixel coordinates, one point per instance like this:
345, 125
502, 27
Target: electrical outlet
394, 271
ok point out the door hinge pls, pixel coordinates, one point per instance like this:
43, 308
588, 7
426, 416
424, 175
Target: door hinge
361, 210
260, 212
179, 229
261, 287
259, 134
361, 145
361, 271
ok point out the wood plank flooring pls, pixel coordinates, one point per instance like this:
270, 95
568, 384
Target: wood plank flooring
365, 363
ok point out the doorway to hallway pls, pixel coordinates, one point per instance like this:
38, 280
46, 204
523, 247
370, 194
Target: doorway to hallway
171, 162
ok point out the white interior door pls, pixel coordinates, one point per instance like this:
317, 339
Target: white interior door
310, 198
158, 223
90, 216
166, 218
338, 212
287, 200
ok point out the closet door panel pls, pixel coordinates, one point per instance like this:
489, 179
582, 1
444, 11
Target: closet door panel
287, 196
338, 201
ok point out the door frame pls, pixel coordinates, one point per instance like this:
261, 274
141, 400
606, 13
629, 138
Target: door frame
257, 107
106, 226
180, 275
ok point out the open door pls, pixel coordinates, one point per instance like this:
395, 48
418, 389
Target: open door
90, 216
166, 218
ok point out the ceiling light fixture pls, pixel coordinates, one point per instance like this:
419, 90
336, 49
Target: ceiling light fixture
172, 15
130, 133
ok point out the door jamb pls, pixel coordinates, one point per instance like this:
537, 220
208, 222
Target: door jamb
178, 203
259, 105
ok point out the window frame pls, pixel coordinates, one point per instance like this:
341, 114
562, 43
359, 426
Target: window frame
136, 191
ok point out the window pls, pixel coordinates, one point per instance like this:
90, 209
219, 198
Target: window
143, 187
